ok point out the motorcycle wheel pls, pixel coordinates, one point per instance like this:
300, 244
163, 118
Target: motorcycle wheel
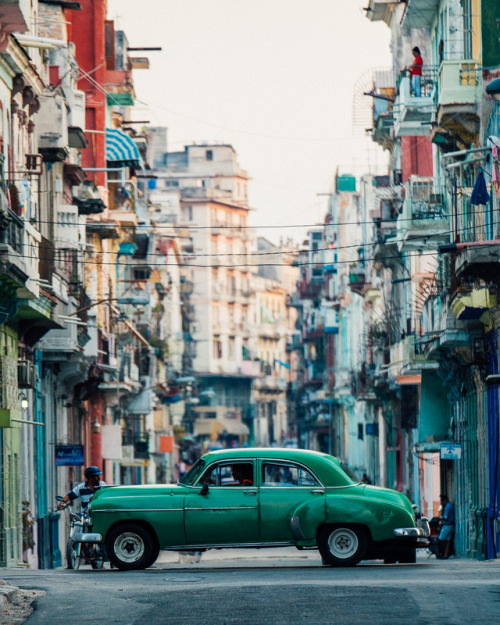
97, 559
74, 558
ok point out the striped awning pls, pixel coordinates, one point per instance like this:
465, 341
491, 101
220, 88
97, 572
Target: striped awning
121, 150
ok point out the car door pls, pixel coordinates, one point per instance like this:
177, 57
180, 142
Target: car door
284, 488
228, 512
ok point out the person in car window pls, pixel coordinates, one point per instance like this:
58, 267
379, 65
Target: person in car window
243, 475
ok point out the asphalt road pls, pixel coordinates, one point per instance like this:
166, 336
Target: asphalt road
271, 587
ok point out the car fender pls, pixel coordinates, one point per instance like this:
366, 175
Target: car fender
306, 518
380, 517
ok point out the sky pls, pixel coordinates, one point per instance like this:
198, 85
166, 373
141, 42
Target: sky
276, 79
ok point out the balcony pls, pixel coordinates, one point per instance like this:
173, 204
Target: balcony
310, 289
271, 384
383, 93
26, 374
357, 279
381, 10
70, 232
15, 17
407, 358
412, 115
478, 260
315, 373
419, 14
459, 95
19, 245
472, 303
136, 446
424, 217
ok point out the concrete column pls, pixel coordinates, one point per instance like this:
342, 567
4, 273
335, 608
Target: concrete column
382, 448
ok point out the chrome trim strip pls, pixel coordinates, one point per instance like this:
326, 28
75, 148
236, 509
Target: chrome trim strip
138, 510
295, 527
228, 508
288, 486
225, 546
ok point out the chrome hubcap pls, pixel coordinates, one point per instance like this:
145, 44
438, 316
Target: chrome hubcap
343, 543
129, 547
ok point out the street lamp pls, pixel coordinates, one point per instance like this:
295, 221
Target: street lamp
24, 401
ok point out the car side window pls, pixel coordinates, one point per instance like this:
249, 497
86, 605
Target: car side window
284, 474
229, 474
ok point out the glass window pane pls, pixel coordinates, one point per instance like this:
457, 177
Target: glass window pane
282, 474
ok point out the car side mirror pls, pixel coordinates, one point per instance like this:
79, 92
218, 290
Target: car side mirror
204, 489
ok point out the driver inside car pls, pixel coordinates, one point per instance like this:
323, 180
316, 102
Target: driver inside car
242, 474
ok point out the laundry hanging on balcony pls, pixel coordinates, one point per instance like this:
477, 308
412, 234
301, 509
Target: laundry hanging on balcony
495, 172
480, 193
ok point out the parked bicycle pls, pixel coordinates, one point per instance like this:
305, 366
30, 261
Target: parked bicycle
83, 545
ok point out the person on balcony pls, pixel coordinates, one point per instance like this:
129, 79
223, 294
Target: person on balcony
416, 72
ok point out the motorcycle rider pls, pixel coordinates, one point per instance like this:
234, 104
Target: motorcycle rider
85, 490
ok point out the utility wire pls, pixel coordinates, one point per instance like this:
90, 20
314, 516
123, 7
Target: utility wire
255, 265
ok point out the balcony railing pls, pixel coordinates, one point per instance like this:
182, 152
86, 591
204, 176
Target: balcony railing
424, 212
459, 82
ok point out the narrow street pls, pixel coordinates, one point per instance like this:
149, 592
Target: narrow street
268, 586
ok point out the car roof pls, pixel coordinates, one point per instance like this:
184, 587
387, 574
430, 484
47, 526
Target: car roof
321, 463
267, 452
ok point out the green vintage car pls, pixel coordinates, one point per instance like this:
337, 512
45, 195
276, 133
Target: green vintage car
259, 498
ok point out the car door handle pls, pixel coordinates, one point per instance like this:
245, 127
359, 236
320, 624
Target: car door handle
318, 491
250, 492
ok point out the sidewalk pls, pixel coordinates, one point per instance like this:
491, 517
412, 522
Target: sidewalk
232, 557
16, 604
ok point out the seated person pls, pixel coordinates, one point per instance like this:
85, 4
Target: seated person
242, 474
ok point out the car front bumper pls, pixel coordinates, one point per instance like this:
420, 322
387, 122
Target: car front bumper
420, 533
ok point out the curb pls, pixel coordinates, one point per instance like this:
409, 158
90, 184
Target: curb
8, 594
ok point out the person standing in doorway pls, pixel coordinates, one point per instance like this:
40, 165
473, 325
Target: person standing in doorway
416, 72
447, 528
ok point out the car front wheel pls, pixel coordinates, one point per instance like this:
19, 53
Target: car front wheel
342, 546
131, 547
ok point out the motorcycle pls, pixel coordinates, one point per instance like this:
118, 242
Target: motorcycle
433, 548
83, 544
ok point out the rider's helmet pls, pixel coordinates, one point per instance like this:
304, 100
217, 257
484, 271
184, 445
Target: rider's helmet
92, 471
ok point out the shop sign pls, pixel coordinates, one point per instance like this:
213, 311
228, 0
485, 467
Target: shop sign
69, 455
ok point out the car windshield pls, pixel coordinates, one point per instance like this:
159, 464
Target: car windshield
350, 473
193, 473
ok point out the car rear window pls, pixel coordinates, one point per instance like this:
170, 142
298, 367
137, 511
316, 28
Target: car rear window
350, 473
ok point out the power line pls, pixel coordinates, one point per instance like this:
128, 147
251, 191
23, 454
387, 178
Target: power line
238, 227
255, 265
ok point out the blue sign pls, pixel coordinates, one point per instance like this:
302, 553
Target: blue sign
69, 455
451, 451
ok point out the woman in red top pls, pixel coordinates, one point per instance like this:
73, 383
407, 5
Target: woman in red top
416, 72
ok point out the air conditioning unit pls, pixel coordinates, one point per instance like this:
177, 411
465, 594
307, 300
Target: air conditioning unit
26, 374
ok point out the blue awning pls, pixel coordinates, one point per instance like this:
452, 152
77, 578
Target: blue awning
121, 150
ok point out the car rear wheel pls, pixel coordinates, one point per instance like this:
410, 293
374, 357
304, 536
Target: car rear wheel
131, 547
407, 555
404, 555
342, 546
